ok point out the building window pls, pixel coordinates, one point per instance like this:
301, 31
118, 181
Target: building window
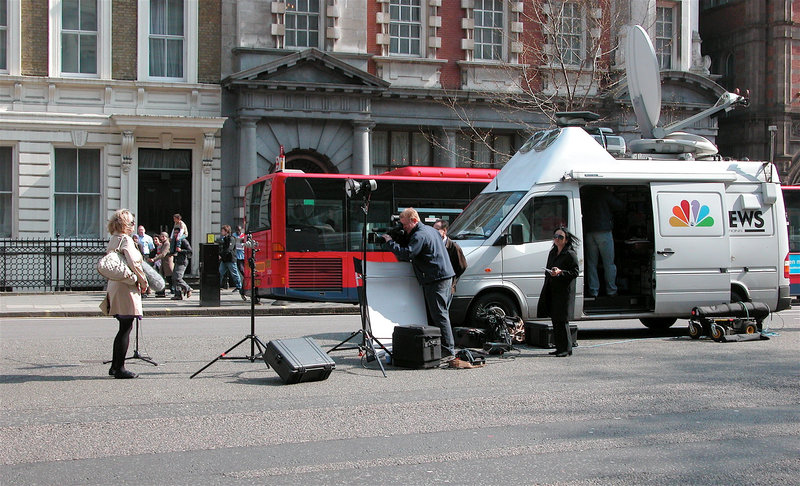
77, 193
569, 34
3, 35
5, 192
302, 23
488, 29
405, 27
491, 151
166, 39
393, 149
79, 36
665, 30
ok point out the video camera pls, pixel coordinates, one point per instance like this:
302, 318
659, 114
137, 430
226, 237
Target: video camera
395, 230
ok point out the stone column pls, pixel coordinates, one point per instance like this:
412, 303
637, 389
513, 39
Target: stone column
248, 160
361, 157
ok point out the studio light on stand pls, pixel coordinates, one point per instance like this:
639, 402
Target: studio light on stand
363, 189
251, 245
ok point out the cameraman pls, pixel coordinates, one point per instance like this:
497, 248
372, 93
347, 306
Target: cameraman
428, 256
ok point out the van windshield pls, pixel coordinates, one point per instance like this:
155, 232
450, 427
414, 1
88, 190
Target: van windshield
483, 215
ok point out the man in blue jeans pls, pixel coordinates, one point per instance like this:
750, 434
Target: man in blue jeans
429, 259
597, 204
227, 259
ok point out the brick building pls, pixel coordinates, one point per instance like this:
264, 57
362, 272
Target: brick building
107, 104
755, 46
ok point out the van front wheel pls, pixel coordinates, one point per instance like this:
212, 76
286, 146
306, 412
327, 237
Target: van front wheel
658, 323
491, 299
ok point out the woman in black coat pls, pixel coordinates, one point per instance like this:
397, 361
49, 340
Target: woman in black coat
562, 269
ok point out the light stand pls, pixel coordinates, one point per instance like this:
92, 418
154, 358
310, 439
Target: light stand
368, 341
254, 341
136, 354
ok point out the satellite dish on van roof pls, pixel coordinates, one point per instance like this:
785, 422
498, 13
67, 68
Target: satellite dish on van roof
644, 81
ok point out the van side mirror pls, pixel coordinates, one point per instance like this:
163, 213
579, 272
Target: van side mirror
517, 237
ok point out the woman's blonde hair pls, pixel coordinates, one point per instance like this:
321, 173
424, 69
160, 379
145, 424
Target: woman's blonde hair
119, 222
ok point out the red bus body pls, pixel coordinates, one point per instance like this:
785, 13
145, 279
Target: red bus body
308, 231
791, 197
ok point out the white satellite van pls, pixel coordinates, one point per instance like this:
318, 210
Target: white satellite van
695, 229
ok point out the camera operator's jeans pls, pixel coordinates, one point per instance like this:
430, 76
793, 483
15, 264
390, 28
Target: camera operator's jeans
437, 296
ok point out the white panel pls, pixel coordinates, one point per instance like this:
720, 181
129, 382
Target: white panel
394, 297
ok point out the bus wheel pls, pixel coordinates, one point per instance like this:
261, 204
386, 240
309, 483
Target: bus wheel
487, 300
658, 323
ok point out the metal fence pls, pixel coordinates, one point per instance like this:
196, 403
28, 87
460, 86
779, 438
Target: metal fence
33, 264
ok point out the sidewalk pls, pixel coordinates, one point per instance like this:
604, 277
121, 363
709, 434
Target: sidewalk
87, 304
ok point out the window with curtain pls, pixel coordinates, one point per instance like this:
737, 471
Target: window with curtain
79, 36
302, 19
405, 27
3, 35
491, 151
393, 149
77, 193
665, 29
166, 41
5, 192
488, 29
569, 35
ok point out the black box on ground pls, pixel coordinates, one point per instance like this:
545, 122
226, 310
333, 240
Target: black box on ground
541, 334
416, 346
298, 360
469, 337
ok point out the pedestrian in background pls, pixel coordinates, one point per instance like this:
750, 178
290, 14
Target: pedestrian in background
240, 239
180, 257
124, 297
163, 261
227, 259
557, 293
146, 244
457, 259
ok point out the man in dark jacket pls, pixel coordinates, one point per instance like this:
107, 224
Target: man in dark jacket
428, 256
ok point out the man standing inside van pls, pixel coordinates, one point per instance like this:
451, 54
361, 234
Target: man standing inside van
597, 204
433, 270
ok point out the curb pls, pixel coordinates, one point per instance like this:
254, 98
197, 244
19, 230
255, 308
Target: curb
197, 312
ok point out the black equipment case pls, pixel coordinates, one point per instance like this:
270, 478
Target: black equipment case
416, 346
298, 360
469, 337
541, 334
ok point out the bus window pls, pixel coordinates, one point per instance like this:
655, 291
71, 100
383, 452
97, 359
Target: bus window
314, 214
258, 214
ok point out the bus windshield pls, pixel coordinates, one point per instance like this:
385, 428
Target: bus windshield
483, 215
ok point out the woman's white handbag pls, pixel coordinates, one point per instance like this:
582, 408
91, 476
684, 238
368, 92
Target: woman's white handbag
113, 265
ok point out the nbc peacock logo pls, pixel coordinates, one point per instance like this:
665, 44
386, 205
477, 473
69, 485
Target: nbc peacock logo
691, 214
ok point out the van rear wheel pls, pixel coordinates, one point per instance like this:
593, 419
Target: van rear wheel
487, 300
658, 323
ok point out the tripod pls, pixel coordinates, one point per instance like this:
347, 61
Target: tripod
136, 354
254, 341
367, 344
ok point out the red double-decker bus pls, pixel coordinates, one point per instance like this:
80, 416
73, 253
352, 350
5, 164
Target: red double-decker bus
791, 198
308, 231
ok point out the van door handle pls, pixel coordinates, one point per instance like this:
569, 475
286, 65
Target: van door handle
666, 251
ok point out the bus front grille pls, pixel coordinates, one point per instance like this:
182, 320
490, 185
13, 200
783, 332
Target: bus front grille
318, 274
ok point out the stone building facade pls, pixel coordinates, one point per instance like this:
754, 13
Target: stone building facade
109, 104
370, 85
755, 46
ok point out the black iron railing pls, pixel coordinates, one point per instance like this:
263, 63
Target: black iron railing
36, 264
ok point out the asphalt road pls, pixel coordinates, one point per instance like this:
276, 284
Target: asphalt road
629, 407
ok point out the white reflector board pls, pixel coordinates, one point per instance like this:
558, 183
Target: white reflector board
394, 298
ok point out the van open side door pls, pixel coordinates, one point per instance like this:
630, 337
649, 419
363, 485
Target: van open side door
692, 254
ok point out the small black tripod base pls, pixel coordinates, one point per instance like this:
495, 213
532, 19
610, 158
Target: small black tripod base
254, 341
136, 354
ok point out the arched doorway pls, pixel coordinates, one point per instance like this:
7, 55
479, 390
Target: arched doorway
310, 161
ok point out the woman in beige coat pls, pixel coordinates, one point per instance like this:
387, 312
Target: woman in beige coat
124, 297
